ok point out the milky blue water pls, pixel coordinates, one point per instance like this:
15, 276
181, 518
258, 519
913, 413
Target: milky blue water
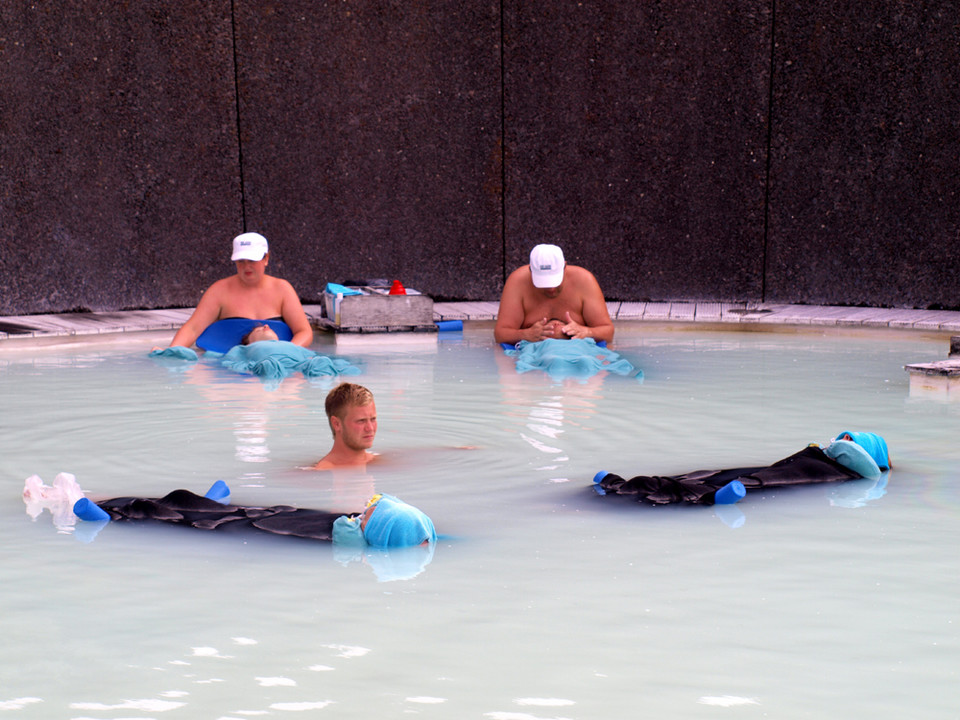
543, 600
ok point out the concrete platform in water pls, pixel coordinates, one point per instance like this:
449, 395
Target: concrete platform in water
937, 379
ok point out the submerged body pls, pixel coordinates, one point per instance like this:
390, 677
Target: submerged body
864, 455
386, 522
182, 507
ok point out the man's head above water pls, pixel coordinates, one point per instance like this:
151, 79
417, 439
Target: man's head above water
352, 416
342, 399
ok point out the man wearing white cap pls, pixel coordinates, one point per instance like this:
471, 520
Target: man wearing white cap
250, 294
550, 299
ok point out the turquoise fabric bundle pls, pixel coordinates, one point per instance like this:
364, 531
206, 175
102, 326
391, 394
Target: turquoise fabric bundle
338, 289
175, 352
580, 358
394, 523
874, 444
852, 456
277, 359
347, 532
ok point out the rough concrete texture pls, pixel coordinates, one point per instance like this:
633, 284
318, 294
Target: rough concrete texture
437, 142
636, 140
865, 165
118, 157
372, 141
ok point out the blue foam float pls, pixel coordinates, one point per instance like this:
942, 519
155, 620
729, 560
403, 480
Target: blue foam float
224, 334
219, 491
731, 493
86, 509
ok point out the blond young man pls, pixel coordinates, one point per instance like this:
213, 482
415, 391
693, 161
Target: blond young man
352, 415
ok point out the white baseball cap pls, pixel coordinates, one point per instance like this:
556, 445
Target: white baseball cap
249, 246
546, 266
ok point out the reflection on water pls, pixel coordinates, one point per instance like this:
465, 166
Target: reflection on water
246, 403
542, 600
548, 407
940, 387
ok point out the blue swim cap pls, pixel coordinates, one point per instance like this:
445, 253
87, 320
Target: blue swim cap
393, 523
873, 444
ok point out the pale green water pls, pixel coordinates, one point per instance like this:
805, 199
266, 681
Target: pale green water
546, 602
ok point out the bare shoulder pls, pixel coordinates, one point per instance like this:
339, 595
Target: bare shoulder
584, 282
332, 462
580, 275
223, 284
220, 289
518, 276
279, 284
280, 290
516, 288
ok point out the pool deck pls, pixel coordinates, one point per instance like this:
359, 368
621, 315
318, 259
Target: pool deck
67, 325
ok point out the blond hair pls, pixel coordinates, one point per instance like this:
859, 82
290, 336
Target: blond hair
343, 397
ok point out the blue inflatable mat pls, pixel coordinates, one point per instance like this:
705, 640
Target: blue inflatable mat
229, 332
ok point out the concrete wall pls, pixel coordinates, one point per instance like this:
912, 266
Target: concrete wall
865, 154
636, 139
779, 151
119, 172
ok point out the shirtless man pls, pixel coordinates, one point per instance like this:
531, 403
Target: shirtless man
549, 299
352, 415
251, 293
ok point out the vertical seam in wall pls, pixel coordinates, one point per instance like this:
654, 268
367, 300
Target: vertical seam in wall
503, 149
769, 164
236, 97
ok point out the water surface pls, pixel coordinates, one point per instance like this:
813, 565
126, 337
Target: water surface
543, 600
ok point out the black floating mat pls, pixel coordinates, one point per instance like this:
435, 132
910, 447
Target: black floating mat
14, 329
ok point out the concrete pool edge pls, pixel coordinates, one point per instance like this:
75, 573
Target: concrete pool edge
17, 329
